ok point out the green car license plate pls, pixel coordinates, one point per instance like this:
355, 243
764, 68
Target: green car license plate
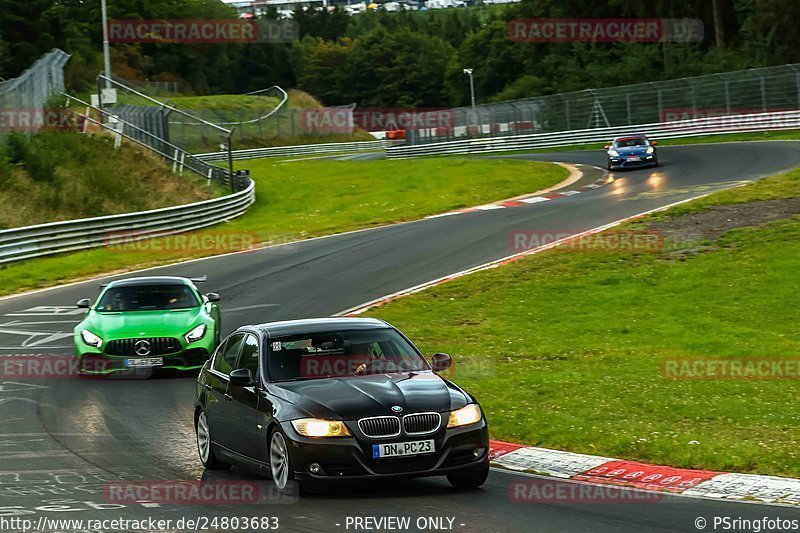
144, 362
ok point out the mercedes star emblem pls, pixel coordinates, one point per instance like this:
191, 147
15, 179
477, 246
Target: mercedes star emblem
142, 347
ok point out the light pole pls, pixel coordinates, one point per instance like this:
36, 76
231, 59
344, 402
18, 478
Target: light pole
106, 58
468, 72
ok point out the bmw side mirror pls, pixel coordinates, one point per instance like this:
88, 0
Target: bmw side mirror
241, 377
212, 297
441, 361
85, 303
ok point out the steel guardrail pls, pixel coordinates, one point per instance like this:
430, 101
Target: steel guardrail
302, 149
753, 122
28, 242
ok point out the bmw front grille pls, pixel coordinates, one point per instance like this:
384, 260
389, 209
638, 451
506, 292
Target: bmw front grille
389, 426
380, 426
421, 423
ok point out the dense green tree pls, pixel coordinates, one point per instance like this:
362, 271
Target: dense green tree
319, 64
27, 31
404, 58
399, 68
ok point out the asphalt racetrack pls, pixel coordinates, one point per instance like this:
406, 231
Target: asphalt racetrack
63, 440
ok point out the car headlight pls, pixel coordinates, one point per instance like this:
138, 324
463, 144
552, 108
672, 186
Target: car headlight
91, 339
196, 333
314, 427
613, 153
469, 414
650, 149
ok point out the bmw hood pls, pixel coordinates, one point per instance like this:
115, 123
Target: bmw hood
356, 397
173, 323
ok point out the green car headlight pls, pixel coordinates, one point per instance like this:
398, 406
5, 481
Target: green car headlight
196, 333
469, 414
91, 339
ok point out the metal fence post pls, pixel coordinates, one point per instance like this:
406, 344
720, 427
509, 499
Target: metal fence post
763, 90
628, 106
797, 86
727, 98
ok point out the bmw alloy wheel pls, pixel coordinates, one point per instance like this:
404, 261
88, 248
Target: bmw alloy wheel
279, 460
203, 438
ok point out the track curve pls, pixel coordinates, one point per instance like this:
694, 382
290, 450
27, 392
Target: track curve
64, 439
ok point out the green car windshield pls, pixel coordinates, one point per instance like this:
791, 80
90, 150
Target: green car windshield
147, 298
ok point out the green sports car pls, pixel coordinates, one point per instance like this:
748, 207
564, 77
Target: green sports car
147, 323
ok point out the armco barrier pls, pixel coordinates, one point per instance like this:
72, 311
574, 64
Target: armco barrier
780, 120
304, 149
70, 235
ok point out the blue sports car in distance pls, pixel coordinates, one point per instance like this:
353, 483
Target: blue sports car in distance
631, 151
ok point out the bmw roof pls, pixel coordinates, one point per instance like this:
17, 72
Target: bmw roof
319, 325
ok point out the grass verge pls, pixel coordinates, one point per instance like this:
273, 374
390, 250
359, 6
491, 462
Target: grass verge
302, 199
242, 112
59, 175
564, 348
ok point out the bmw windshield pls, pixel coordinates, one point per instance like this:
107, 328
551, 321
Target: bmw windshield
340, 354
147, 298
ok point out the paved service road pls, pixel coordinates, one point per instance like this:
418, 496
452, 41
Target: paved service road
62, 441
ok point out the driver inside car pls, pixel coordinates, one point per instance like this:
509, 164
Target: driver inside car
376, 364
369, 354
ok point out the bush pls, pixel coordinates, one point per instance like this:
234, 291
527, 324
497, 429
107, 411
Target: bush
18, 147
5, 165
41, 165
37, 160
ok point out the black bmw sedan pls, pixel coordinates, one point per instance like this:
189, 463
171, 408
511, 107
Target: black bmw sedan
323, 400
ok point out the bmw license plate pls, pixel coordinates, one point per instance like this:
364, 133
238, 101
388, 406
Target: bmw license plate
401, 449
144, 362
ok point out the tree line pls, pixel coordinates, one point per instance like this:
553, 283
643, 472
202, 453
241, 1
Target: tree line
404, 59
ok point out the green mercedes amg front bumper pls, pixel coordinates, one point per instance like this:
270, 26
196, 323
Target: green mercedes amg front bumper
140, 353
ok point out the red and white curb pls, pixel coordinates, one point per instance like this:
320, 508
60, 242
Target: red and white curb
543, 196
607, 471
